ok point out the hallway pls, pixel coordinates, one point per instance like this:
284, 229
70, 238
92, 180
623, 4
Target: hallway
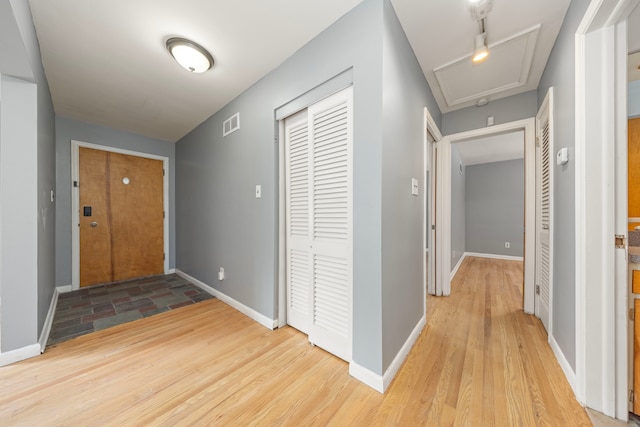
480, 361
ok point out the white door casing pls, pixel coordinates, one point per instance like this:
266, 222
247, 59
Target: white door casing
319, 200
444, 201
431, 137
600, 380
544, 212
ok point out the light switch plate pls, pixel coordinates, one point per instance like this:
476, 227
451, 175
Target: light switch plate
414, 186
258, 191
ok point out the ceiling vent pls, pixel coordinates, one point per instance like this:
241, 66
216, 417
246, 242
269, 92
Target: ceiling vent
231, 125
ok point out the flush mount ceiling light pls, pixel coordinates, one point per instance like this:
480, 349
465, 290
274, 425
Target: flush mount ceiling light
189, 54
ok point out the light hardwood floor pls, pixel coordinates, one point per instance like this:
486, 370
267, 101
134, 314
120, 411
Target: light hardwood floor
479, 362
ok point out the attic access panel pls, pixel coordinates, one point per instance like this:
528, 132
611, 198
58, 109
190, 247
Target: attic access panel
508, 67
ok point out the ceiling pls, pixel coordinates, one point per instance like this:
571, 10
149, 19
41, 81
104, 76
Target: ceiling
106, 63
520, 35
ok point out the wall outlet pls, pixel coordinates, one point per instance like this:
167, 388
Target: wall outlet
221, 274
507, 245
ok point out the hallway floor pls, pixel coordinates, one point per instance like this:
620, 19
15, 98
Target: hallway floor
99, 307
480, 361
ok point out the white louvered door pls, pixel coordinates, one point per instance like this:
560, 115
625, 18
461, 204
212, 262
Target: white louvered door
544, 171
299, 260
319, 239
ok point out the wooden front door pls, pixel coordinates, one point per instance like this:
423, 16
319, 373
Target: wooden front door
121, 216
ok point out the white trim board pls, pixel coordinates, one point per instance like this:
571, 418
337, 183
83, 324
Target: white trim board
381, 383
19, 354
444, 178
564, 363
457, 267
75, 203
247, 311
48, 321
494, 256
600, 207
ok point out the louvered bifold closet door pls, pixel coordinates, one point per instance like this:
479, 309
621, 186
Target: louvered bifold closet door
299, 258
331, 140
543, 252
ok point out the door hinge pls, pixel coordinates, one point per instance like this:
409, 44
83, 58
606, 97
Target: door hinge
537, 141
621, 241
163, 214
75, 184
632, 314
162, 172
631, 396
537, 289
163, 256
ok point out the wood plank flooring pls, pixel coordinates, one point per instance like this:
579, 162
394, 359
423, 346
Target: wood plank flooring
479, 362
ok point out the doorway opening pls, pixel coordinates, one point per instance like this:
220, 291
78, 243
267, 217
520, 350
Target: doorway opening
445, 193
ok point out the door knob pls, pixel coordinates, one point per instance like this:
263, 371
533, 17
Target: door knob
94, 224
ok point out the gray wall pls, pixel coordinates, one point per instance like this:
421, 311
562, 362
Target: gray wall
405, 94
495, 208
28, 174
516, 107
18, 213
458, 191
560, 73
634, 99
220, 223
69, 129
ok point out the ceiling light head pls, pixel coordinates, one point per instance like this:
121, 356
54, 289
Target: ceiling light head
480, 51
189, 54
482, 102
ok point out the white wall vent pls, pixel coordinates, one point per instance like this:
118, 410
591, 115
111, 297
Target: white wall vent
231, 125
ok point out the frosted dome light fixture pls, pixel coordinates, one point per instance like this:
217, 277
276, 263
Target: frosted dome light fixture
190, 55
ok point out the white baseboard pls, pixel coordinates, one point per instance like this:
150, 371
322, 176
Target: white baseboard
494, 256
19, 354
367, 377
455, 269
564, 364
48, 321
64, 289
381, 383
247, 311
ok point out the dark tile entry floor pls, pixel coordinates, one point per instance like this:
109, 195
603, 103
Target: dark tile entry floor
99, 307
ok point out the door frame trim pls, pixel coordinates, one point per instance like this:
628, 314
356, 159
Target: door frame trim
444, 172
430, 126
75, 202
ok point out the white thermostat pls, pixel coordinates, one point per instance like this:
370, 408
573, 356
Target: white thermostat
562, 157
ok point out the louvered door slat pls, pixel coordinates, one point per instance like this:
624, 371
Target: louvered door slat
543, 222
331, 199
299, 260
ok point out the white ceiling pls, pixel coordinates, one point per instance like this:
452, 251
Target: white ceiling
106, 62
497, 148
442, 32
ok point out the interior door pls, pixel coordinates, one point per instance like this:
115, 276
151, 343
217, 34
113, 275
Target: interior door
433, 175
318, 156
121, 216
544, 211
